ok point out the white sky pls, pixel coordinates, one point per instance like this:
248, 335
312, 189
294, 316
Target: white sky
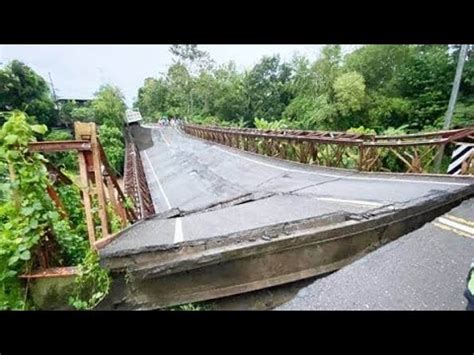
79, 70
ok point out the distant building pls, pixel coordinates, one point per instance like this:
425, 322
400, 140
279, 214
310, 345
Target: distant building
78, 101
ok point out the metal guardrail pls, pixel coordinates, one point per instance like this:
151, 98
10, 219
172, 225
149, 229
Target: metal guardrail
411, 153
135, 182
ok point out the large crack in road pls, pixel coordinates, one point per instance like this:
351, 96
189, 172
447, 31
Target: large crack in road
219, 199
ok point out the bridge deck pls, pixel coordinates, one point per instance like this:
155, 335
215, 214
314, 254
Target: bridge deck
218, 190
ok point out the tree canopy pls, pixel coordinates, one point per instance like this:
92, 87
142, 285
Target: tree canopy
375, 86
22, 89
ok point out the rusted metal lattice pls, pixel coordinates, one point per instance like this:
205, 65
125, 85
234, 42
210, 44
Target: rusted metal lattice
135, 182
411, 153
99, 186
100, 192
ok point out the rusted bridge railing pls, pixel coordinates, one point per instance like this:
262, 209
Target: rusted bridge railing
135, 182
100, 189
101, 193
411, 153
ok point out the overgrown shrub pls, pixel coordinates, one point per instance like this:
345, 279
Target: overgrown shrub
64, 160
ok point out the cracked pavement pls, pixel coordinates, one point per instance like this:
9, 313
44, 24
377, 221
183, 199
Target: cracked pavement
204, 190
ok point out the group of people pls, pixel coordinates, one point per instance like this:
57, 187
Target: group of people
172, 122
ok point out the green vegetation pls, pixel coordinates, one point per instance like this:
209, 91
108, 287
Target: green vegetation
92, 284
63, 160
198, 306
108, 111
22, 89
379, 87
29, 220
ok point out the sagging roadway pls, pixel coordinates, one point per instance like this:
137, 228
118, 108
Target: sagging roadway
231, 221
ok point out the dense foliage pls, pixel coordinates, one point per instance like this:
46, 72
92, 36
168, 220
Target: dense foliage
377, 86
28, 217
107, 110
62, 160
22, 89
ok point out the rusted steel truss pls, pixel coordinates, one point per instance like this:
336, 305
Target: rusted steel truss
135, 182
100, 190
411, 153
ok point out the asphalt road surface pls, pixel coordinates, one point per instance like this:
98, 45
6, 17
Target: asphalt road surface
221, 190
423, 270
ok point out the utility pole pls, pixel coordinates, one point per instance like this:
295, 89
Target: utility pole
52, 88
452, 102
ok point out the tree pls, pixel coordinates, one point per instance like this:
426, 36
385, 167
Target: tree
152, 98
69, 112
109, 106
22, 89
64, 160
375, 86
425, 79
111, 138
267, 90
309, 113
83, 114
302, 82
179, 82
109, 112
349, 91
65, 113
193, 59
325, 70
378, 64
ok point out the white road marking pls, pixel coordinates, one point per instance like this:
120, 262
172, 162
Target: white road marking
341, 176
355, 202
157, 180
456, 225
163, 136
178, 231
178, 228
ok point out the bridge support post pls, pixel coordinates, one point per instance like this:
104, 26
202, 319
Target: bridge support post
91, 172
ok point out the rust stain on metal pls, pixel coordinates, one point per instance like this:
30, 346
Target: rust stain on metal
52, 272
413, 151
135, 182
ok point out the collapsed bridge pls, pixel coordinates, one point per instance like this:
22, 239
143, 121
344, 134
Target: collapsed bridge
208, 212
230, 220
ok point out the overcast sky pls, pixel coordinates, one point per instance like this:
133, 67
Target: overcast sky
79, 70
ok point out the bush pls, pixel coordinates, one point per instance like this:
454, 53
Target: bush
273, 125
113, 143
65, 160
